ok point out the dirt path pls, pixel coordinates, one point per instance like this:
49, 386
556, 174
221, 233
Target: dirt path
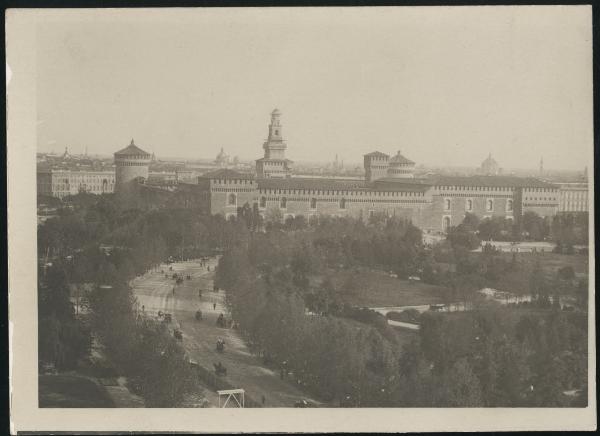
154, 292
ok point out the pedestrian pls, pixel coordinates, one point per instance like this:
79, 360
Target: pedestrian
281, 373
173, 290
143, 308
214, 306
263, 400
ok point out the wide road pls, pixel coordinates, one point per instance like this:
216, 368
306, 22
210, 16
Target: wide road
154, 292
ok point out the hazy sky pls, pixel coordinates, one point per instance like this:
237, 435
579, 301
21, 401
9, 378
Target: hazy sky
444, 85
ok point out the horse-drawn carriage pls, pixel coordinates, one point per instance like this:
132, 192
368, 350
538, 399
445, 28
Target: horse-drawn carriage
221, 321
177, 334
220, 345
198, 315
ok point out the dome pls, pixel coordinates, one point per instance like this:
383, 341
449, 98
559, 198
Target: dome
276, 112
132, 150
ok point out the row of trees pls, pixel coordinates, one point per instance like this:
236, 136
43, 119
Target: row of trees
564, 229
496, 358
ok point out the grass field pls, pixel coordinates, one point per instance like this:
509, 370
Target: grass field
374, 288
364, 287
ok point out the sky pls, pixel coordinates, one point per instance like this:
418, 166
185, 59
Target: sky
446, 86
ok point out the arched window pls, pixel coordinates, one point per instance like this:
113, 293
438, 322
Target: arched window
313, 203
469, 205
447, 204
283, 203
263, 201
343, 203
231, 200
277, 132
490, 205
446, 223
509, 205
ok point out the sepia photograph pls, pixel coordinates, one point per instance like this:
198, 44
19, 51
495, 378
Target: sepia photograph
324, 208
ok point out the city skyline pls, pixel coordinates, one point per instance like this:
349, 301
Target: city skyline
442, 94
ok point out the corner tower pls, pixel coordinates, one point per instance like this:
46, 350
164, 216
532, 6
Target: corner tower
376, 165
131, 163
274, 163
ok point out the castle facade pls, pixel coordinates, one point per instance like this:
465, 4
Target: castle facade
390, 188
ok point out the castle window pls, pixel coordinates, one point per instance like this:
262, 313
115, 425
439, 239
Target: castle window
231, 200
283, 203
447, 204
469, 205
446, 223
313, 203
509, 205
489, 205
263, 201
343, 203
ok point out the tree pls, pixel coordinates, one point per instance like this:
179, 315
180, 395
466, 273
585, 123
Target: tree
538, 286
460, 388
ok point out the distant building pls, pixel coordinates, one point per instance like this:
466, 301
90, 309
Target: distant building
573, 196
60, 183
489, 167
222, 159
131, 163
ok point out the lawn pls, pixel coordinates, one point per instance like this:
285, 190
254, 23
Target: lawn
71, 391
364, 287
374, 288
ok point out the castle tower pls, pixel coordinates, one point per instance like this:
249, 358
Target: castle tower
274, 163
401, 167
131, 163
376, 165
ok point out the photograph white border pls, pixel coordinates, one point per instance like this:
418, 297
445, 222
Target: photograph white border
22, 225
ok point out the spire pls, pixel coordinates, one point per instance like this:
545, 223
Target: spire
132, 142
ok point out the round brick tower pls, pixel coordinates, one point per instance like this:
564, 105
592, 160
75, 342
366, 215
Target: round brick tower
131, 163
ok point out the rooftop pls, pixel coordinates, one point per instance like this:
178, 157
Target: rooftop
394, 184
132, 150
377, 154
227, 174
311, 183
490, 181
266, 159
400, 160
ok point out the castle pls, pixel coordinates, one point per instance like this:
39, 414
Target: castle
389, 188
